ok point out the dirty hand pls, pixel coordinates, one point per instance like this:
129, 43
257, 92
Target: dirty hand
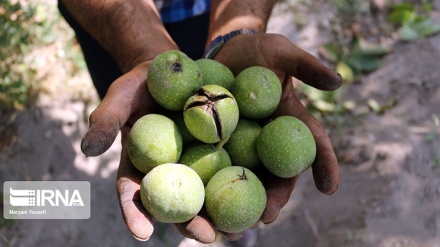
277, 53
126, 101
286, 60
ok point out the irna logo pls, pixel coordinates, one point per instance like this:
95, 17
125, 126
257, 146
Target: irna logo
45, 198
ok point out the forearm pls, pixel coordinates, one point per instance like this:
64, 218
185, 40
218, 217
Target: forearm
230, 15
131, 31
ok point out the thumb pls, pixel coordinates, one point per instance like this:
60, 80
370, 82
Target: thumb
305, 67
198, 228
325, 167
121, 104
278, 53
278, 192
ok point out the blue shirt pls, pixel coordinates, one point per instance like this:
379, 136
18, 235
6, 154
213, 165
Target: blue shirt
177, 10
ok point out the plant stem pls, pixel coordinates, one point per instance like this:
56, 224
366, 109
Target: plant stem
222, 142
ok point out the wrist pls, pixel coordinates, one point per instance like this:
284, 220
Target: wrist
214, 47
229, 15
215, 32
130, 31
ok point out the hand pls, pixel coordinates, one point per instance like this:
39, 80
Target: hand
286, 60
140, 36
126, 101
277, 53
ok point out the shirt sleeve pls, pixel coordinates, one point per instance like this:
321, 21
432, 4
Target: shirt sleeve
178, 10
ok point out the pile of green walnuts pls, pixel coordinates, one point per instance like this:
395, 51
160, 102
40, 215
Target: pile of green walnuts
202, 151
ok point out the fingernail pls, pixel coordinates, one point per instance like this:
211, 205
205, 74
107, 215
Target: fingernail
233, 236
332, 191
140, 239
328, 188
84, 145
203, 242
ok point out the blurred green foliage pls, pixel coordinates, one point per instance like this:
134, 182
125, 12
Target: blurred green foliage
413, 20
15, 76
27, 28
351, 54
350, 9
357, 58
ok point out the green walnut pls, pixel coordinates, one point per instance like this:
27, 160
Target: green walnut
153, 140
211, 114
234, 199
242, 145
214, 72
172, 78
286, 146
172, 193
205, 159
257, 91
177, 117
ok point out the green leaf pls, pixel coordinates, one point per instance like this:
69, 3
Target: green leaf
368, 49
401, 13
40, 13
330, 52
364, 63
400, 16
403, 6
345, 71
426, 27
407, 33
324, 106
375, 51
374, 105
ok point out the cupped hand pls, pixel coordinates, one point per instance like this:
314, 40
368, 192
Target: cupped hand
126, 101
277, 53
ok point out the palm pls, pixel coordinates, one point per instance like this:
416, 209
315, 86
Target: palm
281, 56
128, 99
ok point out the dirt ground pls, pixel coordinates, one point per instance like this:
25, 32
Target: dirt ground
389, 194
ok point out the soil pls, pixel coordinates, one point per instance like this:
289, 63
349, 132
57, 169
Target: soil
389, 195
